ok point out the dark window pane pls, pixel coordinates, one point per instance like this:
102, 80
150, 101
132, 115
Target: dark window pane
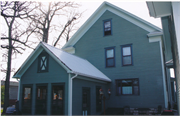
107, 33
119, 88
110, 62
136, 90
127, 60
126, 86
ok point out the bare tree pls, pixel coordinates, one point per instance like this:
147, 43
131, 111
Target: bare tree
14, 13
49, 19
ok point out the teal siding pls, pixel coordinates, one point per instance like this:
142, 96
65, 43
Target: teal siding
146, 60
56, 74
78, 84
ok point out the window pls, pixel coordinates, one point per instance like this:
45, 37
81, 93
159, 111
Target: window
127, 87
107, 27
98, 100
110, 57
43, 62
126, 55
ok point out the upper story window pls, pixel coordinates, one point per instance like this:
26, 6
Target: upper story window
43, 62
126, 55
107, 27
110, 57
127, 86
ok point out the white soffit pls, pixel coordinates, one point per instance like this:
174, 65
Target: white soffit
116, 10
159, 9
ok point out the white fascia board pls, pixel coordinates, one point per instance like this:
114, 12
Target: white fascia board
92, 77
152, 34
70, 50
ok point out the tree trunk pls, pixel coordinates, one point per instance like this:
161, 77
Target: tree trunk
8, 74
45, 35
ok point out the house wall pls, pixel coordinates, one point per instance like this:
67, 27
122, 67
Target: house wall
56, 74
78, 84
146, 60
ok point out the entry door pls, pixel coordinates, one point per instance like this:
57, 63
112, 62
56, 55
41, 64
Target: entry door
27, 99
86, 101
57, 105
41, 100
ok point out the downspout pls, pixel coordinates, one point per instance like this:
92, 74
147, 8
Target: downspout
70, 93
18, 89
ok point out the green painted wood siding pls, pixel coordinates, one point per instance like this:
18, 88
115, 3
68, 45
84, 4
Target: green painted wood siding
146, 60
56, 74
78, 84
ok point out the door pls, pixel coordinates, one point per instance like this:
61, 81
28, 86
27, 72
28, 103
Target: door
57, 105
27, 99
86, 101
41, 100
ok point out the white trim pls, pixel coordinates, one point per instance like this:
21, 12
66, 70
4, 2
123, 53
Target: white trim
93, 77
18, 95
154, 39
118, 11
158, 39
70, 96
70, 90
151, 34
70, 50
90, 79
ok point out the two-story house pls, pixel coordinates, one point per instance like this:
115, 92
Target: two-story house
114, 51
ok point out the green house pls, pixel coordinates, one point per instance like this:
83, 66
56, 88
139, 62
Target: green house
114, 54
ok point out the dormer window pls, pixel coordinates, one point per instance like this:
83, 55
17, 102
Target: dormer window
43, 62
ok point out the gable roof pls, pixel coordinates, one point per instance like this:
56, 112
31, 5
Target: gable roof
71, 63
116, 10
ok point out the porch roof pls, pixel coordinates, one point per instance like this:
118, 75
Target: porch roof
76, 64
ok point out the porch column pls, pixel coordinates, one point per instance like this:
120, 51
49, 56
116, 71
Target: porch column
33, 98
49, 99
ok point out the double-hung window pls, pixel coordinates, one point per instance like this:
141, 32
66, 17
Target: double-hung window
127, 86
126, 55
43, 62
107, 27
110, 57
